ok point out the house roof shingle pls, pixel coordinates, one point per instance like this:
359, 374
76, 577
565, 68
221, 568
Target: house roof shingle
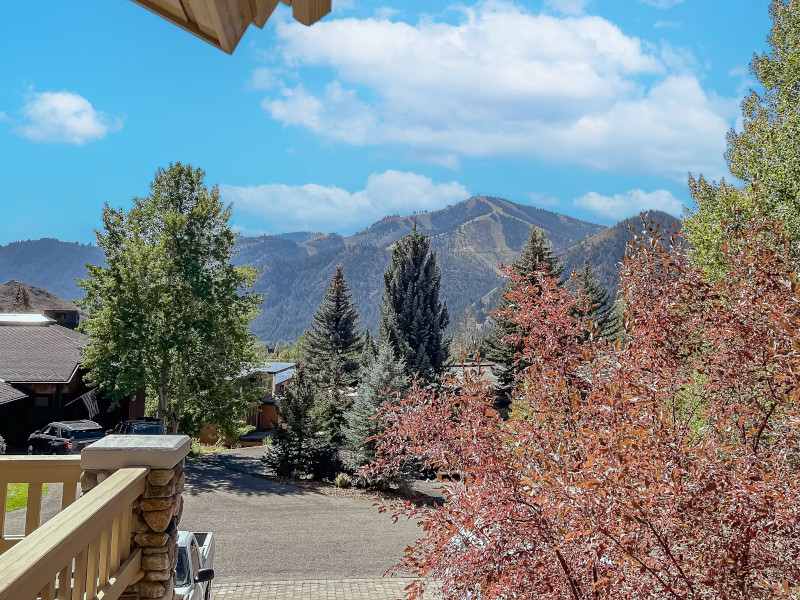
10, 394
36, 354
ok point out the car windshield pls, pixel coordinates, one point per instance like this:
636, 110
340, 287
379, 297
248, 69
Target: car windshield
86, 434
182, 569
147, 428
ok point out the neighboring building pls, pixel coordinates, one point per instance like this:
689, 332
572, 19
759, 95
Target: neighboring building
264, 415
42, 302
41, 379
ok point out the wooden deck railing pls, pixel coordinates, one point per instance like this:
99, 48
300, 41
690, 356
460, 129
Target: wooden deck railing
82, 553
36, 471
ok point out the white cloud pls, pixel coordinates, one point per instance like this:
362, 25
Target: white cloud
247, 230
322, 208
567, 7
386, 13
3, 116
504, 82
622, 206
262, 78
542, 200
64, 118
662, 24
664, 4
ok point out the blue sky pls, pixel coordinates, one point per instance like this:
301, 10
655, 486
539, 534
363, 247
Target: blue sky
596, 109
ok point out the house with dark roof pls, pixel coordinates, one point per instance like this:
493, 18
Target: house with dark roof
41, 379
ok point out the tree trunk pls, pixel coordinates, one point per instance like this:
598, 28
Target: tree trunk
163, 405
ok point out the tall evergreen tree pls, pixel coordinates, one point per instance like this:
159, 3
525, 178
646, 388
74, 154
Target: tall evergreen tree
601, 306
333, 345
21, 302
328, 413
413, 318
369, 352
536, 253
293, 438
386, 375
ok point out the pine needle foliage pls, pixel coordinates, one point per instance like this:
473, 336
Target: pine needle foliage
333, 345
293, 439
536, 253
384, 377
413, 317
599, 306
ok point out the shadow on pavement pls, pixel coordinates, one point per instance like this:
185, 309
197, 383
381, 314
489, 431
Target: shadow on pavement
210, 475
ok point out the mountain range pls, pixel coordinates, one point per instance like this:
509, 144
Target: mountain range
471, 238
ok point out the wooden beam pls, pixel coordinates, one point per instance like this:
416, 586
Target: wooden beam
309, 12
262, 11
231, 19
185, 25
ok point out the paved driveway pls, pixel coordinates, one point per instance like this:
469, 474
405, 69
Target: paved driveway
266, 531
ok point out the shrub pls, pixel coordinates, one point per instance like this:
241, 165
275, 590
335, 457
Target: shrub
342, 481
2, 445
664, 467
325, 463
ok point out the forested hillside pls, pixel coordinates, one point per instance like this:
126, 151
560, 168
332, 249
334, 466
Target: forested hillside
48, 263
606, 249
471, 238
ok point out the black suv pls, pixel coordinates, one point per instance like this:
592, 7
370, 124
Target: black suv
64, 437
146, 426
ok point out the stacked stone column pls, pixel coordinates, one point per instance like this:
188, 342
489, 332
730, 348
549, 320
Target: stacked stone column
156, 513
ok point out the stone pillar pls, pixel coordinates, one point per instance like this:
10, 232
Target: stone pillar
157, 513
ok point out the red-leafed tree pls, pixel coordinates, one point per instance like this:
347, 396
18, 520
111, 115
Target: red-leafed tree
667, 466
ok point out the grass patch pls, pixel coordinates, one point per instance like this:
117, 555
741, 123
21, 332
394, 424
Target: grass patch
198, 450
18, 496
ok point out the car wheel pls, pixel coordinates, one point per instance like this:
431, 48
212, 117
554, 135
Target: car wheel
30, 448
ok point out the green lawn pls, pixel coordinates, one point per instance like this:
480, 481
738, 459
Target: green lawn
18, 496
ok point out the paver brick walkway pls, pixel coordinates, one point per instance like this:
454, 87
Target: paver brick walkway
314, 589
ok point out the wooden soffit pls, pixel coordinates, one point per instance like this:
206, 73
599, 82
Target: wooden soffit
222, 23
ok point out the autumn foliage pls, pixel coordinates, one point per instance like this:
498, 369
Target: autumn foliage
663, 467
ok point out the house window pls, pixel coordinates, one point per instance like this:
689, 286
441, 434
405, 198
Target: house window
41, 401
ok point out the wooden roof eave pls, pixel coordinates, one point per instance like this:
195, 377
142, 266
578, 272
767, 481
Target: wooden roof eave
222, 23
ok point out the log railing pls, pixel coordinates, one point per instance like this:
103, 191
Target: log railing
82, 553
36, 471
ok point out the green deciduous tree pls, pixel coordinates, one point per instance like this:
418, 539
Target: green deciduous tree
168, 312
413, 318
499, 349
385, 376
333, 345
765, 154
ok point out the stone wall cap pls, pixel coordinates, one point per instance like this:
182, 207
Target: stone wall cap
120, 451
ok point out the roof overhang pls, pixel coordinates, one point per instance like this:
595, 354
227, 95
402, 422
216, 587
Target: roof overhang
222, 23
